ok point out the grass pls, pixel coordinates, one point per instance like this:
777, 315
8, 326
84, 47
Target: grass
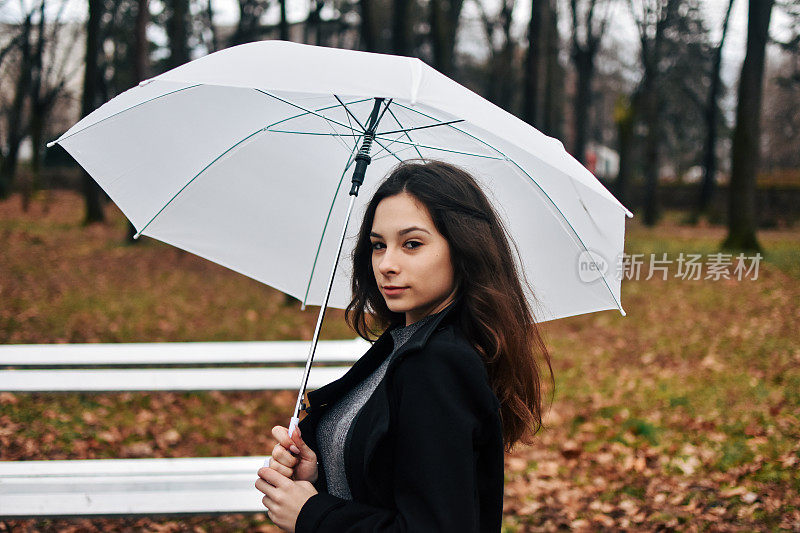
670, 417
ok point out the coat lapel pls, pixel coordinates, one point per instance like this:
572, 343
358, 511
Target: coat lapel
374, 417
371, 360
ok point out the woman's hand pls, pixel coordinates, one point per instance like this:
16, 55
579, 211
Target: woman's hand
291, 457
283, 497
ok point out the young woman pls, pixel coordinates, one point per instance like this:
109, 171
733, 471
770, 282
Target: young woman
412, 437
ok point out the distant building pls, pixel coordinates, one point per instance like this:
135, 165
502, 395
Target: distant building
602, 161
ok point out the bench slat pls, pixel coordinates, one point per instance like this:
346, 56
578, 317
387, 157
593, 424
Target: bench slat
154, 353
129, 486
165, 379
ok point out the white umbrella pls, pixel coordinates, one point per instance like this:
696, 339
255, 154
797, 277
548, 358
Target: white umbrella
244, 157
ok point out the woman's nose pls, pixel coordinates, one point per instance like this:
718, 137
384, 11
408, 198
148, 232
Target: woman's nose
388, 263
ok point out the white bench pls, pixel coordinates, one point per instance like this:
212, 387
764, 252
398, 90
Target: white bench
123, 356
108, 487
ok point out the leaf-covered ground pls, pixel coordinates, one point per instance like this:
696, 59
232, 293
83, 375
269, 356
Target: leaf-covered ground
683, 415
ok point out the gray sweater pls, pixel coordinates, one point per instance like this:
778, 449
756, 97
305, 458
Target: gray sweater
335, 423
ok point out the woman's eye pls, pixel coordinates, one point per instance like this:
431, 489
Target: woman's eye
377, 245
413, 244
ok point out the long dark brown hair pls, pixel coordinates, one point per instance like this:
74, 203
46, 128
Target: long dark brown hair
493, 311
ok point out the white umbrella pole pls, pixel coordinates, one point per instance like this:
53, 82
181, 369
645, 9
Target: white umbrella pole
362, 160
299, 404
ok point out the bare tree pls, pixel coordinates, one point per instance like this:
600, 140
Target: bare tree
444, 17
16, 129
283, 23
207, 17
91, 190
248, 28
140, 42
140, 66
625, 120
401, 27
178, 23
652, 17
588, 30
312, 30
711, 116
369, 31
781, 123
553, 95
500, 82
534, 61
742, 190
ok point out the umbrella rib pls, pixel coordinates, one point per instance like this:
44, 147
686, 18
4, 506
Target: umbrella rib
347, 114
350, 113
443, 149
309, 111
395, 152
421, 127
406, 133
555, 206
327, 220
122, 111
319, 109
385, 109
316, 133
385, 148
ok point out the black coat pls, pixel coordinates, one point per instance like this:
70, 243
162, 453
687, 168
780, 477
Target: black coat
425, 453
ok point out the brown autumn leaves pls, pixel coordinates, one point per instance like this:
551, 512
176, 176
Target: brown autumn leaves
684, 415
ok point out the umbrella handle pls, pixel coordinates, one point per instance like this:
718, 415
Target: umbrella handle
292, 425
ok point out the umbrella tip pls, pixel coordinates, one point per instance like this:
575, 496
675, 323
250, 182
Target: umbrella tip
51, 143
136, 236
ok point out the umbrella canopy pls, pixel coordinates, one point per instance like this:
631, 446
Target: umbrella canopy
243, 157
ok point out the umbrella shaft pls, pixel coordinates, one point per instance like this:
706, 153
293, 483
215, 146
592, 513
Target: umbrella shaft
322, 309
362, 157
362, 160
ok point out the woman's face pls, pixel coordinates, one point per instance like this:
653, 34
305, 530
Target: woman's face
410, 259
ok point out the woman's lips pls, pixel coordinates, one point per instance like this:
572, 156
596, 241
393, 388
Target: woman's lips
393, 291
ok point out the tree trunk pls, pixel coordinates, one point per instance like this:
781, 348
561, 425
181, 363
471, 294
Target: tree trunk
140, 63
505, 94
553, 101
91, 190
15, 126
444, 16
500, 72
709, 150
624, 118
212, 28
533, 63
368, 37
283, 24
583, 56
178, 33
584, 64
742, 190
140, 66
651, 98
313, 25
400, 28
38, 112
